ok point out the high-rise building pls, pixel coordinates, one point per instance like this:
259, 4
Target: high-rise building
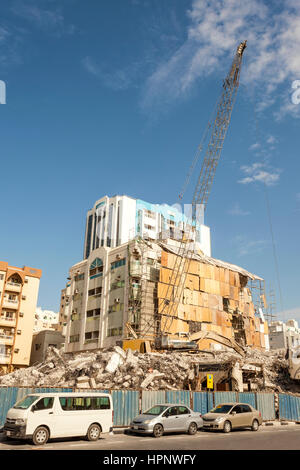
115, 220
18, 297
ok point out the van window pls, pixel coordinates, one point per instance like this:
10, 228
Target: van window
26, 402
44, 403
84, 403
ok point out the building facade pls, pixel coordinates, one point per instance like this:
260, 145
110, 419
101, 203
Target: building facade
115, 220
18, 297
45, 320
41, 341
284, 335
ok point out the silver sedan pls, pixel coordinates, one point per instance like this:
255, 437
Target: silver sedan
165, 418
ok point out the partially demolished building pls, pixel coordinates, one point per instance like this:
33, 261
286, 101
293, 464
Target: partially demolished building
128, 285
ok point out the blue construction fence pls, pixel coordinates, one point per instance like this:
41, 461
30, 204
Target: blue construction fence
129, 403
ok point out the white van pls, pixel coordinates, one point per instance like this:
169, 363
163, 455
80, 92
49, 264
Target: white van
40, 416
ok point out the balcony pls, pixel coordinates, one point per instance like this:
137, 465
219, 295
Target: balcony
6, 339
8, 303
6, 321
5, 358
13, 286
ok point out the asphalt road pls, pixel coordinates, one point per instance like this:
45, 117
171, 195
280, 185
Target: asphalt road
267, 438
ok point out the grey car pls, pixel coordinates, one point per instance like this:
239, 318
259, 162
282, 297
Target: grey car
165, 418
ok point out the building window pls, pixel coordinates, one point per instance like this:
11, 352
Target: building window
117, 264
95, 292
96, 268
74, 339
114, 331
79, 277
91, 336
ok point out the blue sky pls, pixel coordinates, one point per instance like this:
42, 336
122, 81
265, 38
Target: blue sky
112, 97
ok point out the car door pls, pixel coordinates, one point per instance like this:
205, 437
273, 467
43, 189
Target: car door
236, 417
247, 415
183, 420
171, 419
41, 413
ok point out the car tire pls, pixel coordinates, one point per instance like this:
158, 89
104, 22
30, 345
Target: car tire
158, 430
192, 429
255, 425
227, 427
40, 436
94, 432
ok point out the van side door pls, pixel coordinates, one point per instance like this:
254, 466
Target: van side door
41, 413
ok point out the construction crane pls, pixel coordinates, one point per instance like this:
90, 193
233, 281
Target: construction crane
218, 126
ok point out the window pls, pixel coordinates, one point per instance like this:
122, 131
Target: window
37, 347
74, 339
79, 277
84, 403
117, 284
237, 409
118, 264
96, 292
1, 277
114, 331
90, 314
44, 403
91, 336
96, 268
246, 409
182, 410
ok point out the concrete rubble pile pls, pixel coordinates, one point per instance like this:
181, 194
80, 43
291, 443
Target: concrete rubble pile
115, 368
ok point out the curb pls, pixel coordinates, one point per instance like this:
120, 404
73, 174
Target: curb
280, 423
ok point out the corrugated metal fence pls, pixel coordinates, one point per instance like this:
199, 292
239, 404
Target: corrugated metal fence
129, 403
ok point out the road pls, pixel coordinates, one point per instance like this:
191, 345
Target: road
267, 438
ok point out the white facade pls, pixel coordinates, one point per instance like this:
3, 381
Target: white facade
116, 220
45, 319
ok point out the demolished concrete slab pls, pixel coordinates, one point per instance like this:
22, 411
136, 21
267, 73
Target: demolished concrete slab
114, 368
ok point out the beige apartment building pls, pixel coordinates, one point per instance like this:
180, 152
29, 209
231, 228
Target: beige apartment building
18, 298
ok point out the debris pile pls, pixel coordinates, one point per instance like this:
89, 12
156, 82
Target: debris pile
115, 368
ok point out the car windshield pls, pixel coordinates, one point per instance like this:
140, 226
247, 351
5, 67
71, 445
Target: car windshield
26, 402
156, 410
221, 409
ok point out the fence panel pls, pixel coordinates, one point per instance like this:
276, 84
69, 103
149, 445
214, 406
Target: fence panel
266, 405
126, 406
289, 407
245, 397
203, 402
152, 397
8, 397
225, 397
179, 396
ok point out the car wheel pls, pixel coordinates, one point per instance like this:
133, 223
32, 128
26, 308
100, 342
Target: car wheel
227, 427
93, 433
255, 425
192, 429
40, 436
158, 430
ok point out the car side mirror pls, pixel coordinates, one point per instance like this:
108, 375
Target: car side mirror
233, 413
33, 409
166, 415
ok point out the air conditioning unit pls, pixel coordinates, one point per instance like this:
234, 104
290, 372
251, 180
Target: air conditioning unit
21, 314
76, 291
118, 256
16, 350
117, 301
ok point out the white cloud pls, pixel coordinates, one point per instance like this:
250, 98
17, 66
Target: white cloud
237, 211
216, 28
118, 79
291, 314
247, 247
260, 172
43, 16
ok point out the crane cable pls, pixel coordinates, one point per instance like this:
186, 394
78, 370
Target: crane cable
258, 139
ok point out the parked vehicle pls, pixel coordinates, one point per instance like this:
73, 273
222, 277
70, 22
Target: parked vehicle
41, 416
228, 416
165, 418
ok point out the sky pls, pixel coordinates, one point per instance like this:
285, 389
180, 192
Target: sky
113, 97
